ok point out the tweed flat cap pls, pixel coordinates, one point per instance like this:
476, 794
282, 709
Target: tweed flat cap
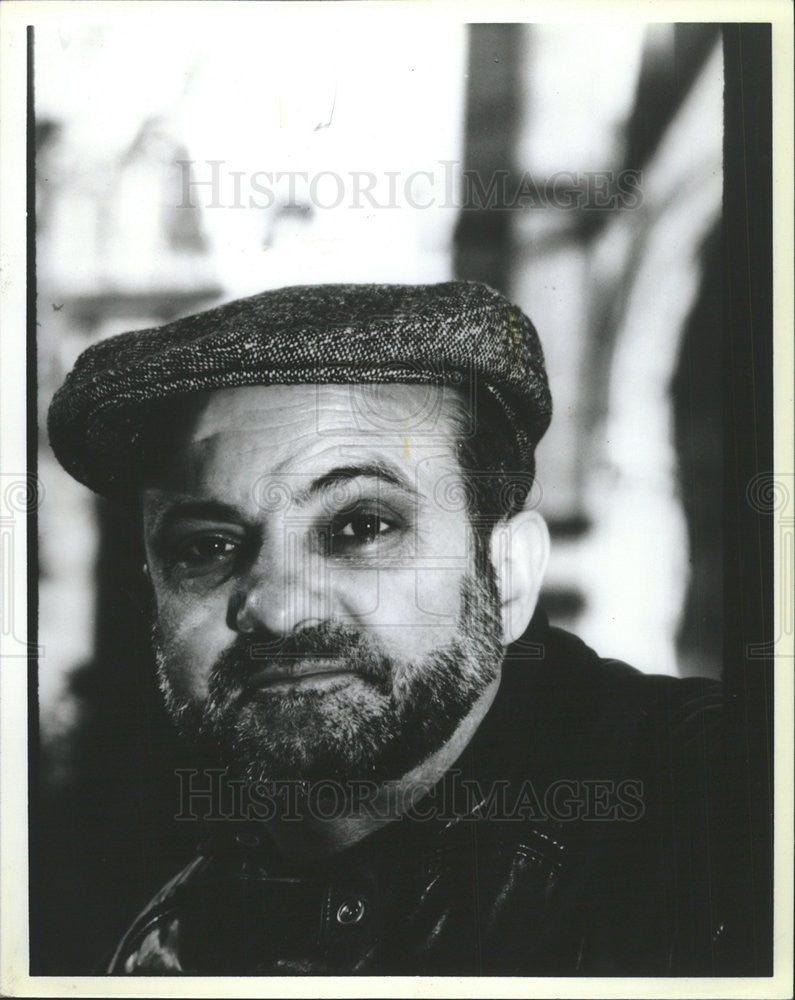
313, 333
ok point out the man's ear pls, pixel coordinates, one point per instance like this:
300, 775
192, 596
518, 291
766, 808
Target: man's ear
519, 555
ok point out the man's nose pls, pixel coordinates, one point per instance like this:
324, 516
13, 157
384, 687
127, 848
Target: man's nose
284, 590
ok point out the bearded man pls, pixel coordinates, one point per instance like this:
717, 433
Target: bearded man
334, 486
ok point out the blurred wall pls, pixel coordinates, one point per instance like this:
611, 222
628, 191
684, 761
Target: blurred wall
577, 170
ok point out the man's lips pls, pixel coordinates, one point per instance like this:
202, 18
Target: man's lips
293, 672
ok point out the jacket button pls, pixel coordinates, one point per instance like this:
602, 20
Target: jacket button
350, 912
247, 839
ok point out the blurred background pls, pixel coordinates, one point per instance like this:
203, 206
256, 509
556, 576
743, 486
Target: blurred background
578, 169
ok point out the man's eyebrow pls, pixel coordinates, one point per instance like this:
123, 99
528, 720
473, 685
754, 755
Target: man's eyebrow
205, 510
347, 473
173, 511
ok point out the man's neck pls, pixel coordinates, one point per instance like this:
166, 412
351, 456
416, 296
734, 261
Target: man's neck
315, 837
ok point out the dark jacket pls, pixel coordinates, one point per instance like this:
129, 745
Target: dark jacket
582, 832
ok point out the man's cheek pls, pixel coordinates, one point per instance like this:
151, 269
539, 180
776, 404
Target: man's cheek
417, 611
426, 595
437, 594
190, 642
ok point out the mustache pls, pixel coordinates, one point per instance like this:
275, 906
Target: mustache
255, 652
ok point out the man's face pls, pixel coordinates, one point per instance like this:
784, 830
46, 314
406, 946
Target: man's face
319, 612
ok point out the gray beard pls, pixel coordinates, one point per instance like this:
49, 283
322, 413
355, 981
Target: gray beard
375, 725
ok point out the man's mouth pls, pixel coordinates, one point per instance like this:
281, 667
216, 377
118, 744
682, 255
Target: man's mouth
307, 669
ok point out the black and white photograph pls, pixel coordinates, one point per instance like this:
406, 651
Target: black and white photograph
397, 497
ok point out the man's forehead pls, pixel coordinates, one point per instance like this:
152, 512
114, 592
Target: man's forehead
226, 439
284, 412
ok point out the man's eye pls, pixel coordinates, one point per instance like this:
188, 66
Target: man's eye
359, 529
205, 549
